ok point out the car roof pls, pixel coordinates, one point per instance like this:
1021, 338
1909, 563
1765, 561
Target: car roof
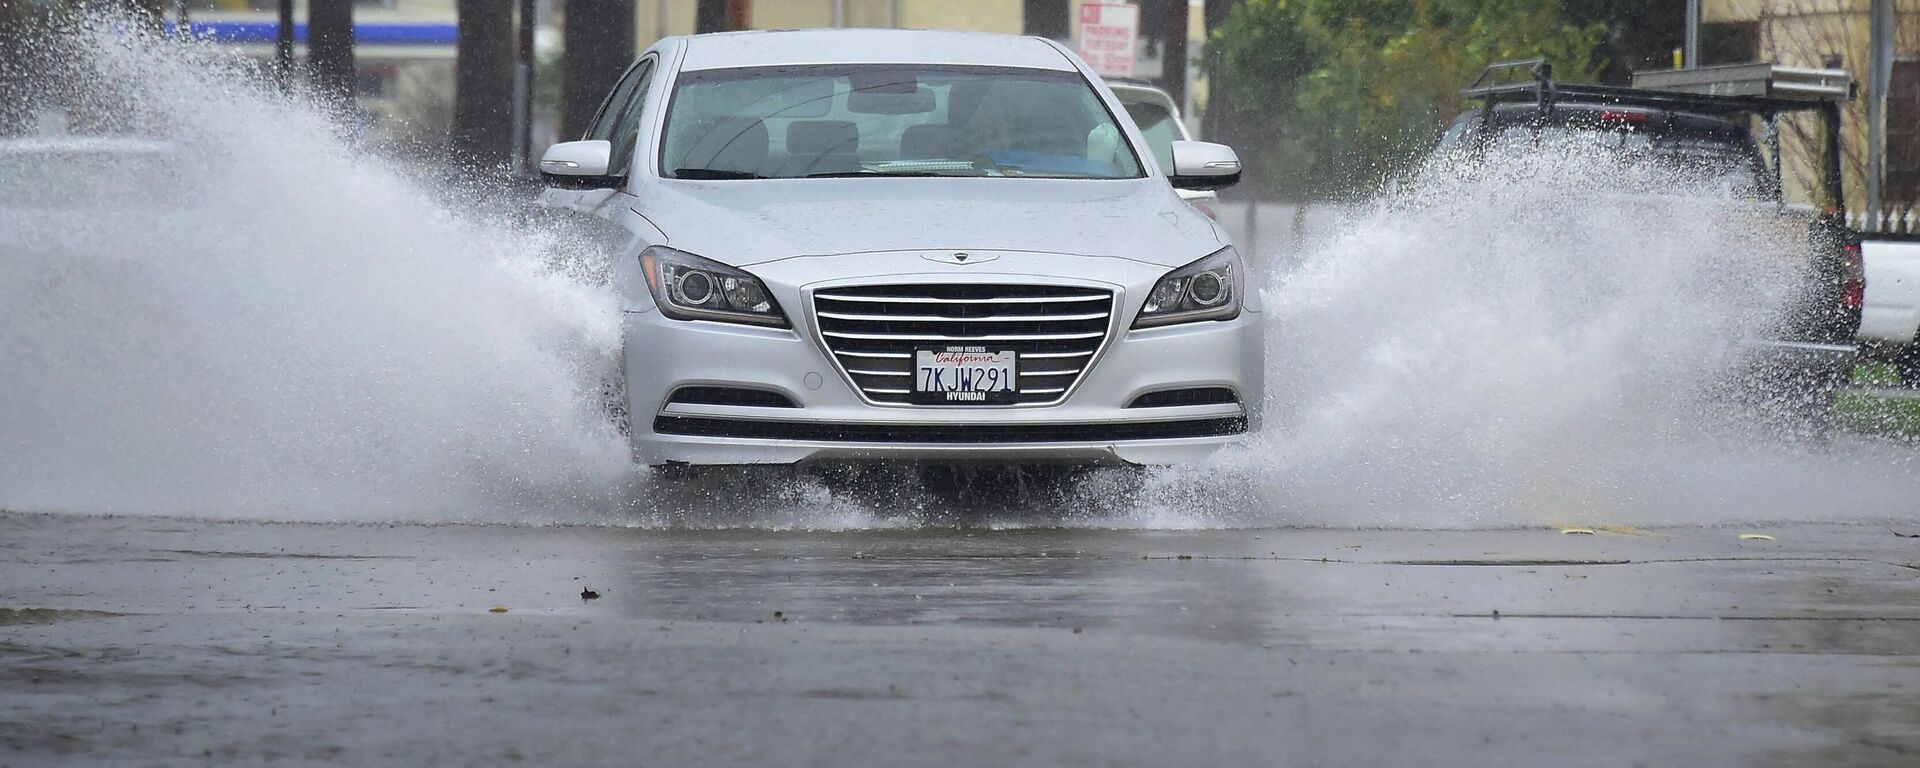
727, 50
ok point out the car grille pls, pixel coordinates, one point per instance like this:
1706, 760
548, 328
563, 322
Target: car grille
873, 331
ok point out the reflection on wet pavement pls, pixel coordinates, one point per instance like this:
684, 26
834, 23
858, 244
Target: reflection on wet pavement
1225, 645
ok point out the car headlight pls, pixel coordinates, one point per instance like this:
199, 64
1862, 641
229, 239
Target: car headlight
1208, 289
687, 287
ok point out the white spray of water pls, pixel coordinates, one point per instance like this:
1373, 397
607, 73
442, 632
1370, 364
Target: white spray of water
312, 335
1548, 335
319, 337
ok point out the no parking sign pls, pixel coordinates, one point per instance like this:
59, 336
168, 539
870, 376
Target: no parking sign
1109, 33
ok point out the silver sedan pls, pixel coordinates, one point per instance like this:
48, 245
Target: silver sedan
877, 244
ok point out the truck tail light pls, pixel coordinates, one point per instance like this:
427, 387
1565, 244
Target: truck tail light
1853, 283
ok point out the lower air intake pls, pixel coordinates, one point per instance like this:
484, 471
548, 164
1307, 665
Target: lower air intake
1176, 397
706, 395
748, 429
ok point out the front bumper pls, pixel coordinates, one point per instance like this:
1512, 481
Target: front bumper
833, 422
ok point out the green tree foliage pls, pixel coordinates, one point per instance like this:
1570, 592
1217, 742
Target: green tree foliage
1343, 92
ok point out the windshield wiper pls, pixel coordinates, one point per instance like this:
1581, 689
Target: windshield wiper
714, 174
853, 174
718, 174
994, 168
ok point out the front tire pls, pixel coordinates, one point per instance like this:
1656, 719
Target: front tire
613, 397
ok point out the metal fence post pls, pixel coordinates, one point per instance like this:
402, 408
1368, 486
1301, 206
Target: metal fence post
1879, 82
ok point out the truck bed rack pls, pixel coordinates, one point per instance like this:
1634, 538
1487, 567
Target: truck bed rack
1759, 90
1755, 89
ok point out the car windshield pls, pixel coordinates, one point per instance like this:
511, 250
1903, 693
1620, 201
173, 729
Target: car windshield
1158, 126
890, 120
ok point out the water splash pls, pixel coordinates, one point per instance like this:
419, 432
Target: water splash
311, 334
1548, 335
303, 330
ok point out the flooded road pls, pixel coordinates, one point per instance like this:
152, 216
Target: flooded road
136, 639
311, 464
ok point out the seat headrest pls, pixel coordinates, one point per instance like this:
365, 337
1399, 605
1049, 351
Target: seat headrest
929, 142
822, 137
732, 144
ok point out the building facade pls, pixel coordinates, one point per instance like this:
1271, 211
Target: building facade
1836, 34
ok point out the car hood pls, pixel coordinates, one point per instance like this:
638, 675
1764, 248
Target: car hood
751, 222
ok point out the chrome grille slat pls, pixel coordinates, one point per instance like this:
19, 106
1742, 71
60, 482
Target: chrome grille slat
892, 355
873, 331
938, 319
945, 339
935, 300
1056, 355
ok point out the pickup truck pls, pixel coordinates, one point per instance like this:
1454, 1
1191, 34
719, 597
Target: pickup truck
1890, 304
1810, 351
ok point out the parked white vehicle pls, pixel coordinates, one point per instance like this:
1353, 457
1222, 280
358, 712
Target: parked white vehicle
1161, 124
65, 173
857, 244
1890, 312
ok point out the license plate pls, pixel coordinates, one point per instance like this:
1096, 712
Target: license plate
963, 375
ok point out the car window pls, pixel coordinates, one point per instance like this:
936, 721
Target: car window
900, 120
616, 104
1160, 128
626, 127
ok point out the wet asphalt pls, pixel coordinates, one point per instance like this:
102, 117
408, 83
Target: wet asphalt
146, 641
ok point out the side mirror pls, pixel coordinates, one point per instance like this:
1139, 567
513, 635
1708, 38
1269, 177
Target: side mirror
1201, 165
578, 164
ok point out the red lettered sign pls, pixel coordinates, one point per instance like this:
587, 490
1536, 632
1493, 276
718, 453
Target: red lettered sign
1109, 33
